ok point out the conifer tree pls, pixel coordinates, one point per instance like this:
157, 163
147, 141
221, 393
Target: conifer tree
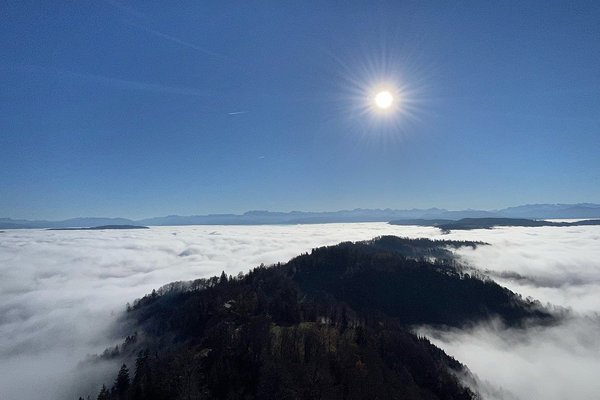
103, 395
122, 381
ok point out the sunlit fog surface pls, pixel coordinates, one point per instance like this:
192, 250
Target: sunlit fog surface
61, 293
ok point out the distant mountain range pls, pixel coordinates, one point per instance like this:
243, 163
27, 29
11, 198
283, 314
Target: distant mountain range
101, 228
531, 211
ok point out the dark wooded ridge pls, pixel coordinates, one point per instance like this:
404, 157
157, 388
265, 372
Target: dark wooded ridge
332, 324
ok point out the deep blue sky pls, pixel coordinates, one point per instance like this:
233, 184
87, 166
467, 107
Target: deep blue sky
123, 108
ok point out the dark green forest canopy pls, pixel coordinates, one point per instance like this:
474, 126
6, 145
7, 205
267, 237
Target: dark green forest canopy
332, 324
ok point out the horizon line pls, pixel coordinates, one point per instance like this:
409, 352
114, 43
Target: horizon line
216, 214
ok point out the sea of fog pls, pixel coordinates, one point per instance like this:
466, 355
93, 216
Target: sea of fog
62, 292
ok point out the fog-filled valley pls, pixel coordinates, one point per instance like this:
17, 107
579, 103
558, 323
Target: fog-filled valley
63, 294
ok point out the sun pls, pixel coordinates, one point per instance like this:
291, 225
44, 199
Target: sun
384, 99
381, 94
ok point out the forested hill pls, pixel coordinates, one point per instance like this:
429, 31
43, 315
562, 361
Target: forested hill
332, 324
488, 223
414, 281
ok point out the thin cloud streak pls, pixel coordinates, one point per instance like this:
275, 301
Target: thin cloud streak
118, 82
131, 12
172, 39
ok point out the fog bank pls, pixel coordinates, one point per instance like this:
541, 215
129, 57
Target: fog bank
62, 291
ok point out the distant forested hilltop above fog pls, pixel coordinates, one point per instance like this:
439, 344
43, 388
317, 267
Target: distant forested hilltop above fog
330, 324
487, 223
535, 211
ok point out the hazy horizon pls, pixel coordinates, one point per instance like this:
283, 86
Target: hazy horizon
119, 216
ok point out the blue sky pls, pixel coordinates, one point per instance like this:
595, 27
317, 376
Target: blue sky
138, 109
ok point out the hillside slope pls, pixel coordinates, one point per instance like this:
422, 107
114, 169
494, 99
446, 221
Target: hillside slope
332, 324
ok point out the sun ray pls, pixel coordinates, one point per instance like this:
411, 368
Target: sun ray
380, 95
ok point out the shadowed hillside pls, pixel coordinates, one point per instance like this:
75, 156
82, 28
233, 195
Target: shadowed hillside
332, 324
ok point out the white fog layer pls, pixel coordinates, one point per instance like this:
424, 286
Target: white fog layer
61, 293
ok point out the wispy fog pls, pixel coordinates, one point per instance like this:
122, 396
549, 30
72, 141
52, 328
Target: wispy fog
560, 266
62, 291
551, 264
558, 362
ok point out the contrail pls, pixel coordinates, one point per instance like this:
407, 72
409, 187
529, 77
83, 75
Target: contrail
127, 10
171, 38
121, 83
236, 113
139, 16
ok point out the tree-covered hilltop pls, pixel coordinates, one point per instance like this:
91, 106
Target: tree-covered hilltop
488, 223
414, 281
332, 324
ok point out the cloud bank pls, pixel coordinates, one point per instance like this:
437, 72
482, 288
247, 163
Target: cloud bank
61, 293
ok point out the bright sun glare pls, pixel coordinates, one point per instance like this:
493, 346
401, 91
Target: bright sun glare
384, 99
